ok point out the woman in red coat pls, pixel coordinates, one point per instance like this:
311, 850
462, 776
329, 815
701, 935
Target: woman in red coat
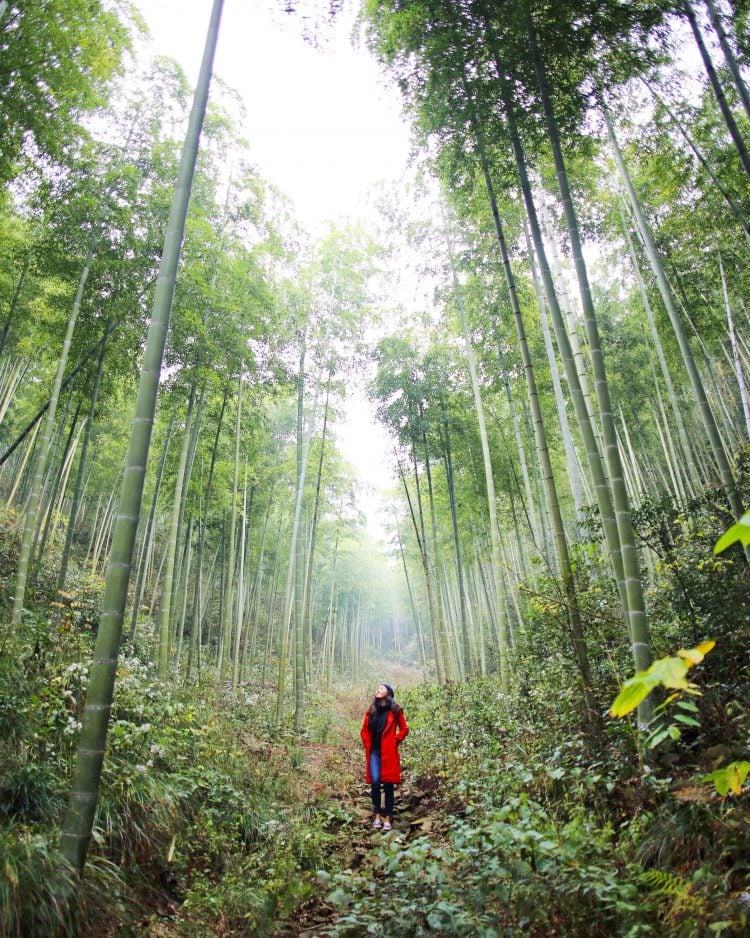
383, 730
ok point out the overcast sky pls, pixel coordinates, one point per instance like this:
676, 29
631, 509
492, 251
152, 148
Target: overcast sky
321, 124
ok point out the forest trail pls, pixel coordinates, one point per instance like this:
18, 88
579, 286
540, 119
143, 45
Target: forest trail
332, 777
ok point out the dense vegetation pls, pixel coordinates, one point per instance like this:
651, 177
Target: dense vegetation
192, 607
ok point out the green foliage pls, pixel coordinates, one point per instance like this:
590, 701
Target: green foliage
507, 871
57, 60
730, 777
666, 672
192, 805
740, 531
41, 896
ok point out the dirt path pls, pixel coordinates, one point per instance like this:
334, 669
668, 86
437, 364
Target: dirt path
334, 773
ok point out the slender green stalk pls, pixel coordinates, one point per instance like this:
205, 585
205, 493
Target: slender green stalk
77, 491
713, 78
194, 649
147, 548
79, 819
600, 483
14, 302
729, 56
171, 548
226, 623
577, 479
34, 422
40, 463
240, 589
558, 527
735, 350
636, 604
502, 617
709, 421
666, 374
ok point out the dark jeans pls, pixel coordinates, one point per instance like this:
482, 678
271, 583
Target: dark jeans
376, 786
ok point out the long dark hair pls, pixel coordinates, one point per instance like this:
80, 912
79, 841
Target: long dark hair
390, 704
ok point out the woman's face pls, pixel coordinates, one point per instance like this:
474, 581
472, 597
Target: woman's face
381, 693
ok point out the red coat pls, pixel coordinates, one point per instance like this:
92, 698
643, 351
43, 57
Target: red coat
394, 731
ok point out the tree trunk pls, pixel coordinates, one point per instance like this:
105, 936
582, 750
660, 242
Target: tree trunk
639, 628
306, 616
55, 485
14, 299
40, 463
500, 598
63, 573
194, 648
79, 819
148, 539
735, 352
729, 57
463, 613
687, 449
171, 548
574, 617
45, 407
225, 638
596, 467
436, 637
577, 481
713, 78
667, 296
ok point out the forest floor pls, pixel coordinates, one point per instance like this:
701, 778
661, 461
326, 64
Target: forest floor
329, 784
334, 773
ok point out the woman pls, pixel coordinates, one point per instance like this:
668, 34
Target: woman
383, 730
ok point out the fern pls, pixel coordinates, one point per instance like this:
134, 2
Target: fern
682, 902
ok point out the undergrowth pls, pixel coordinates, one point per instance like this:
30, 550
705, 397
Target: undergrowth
198, 819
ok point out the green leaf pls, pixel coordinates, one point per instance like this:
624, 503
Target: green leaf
633, 692
688, 721
653, 741
729, 778
738, 532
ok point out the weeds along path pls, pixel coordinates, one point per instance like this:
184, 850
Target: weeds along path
332, 774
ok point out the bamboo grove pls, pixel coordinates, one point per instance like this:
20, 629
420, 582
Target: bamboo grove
565, 399
563, 265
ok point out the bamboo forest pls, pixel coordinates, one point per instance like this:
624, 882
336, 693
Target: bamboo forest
444, 498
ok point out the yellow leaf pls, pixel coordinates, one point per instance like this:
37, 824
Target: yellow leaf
695, 655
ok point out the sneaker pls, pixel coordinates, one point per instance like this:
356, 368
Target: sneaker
377, 824
387, 826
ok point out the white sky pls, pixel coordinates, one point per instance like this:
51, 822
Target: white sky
321, 124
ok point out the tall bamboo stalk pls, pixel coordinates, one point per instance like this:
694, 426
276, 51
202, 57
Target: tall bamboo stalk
709, 422
636, 604
713, 78
79, 819
174, 526
40, 463
500, 599
729, 56
735, 351
561, 542
78, 489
